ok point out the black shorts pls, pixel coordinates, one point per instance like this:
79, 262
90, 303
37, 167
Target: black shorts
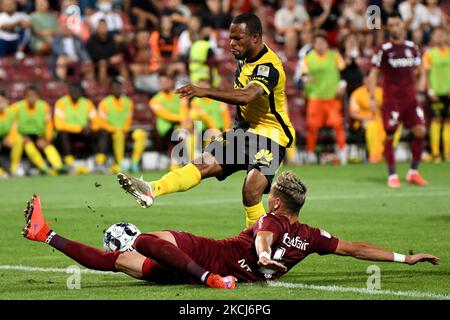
33, 137
237, 150
441, 108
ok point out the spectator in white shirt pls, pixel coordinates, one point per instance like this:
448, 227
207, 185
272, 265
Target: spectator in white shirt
414, 13
14, 30
289, 21
113, 19
436, 17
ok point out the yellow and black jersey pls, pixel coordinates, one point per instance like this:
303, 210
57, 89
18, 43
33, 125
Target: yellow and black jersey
267, 115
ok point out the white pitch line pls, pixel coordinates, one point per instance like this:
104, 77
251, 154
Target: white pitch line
310, 198
55, 270
409, 294
202, 201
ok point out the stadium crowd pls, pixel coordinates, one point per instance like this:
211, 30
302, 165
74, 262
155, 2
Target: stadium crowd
83, 78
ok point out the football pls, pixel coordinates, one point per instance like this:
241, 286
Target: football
120, 237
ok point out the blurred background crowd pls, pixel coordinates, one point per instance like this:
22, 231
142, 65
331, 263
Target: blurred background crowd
119, 61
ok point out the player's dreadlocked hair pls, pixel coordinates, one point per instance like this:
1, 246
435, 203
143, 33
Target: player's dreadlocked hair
293, 191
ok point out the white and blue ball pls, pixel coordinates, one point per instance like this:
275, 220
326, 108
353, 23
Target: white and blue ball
120, 237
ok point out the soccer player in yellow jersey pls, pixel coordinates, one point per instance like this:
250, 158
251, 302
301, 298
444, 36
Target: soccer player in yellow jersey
436, 62
115, 118
75, 120
34, 124
9, 139
261, 133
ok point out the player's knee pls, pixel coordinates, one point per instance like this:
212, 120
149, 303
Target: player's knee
41, 143
419, 131
436, 119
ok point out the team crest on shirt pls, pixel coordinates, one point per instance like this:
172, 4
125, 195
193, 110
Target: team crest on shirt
263, 71
408, 53
263, 157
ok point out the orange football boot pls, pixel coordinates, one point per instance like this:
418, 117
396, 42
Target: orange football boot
394, 182
36, 228
219, 282
416, 178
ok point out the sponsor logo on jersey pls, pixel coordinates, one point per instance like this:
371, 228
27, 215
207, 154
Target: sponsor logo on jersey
243, 264
404, 62
263, 71
295, 242
263, 157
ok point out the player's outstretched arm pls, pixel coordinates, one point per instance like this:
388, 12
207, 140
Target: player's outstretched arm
368, 251
241, 96
263, 241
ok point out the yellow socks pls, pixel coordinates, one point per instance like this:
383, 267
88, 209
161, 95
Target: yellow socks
179, 180
446, 139
374, 139
435, 138
140, 138
69, 160
16, 153
100, 158
53, 156
35, 156
118, 140
254, 213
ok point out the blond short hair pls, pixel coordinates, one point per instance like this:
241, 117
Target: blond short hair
292, 190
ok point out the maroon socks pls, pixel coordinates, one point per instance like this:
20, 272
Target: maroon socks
87, 256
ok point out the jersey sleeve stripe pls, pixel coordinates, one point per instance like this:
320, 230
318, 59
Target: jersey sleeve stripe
273, 109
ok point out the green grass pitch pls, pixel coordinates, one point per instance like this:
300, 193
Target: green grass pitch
350, 202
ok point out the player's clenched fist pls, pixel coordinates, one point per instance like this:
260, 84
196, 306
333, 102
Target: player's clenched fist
189, 91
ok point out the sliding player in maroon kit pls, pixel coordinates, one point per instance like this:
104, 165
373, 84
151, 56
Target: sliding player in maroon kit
398, 60
266, 250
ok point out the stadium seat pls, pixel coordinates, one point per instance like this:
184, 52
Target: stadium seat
33, 61
93, 89
128, 88
7, 62
16, 90
142, 114
4, 74
52, 89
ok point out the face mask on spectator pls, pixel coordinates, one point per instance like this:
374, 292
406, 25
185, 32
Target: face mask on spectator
105, 6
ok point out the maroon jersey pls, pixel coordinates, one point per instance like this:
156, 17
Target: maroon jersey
237, 256
397, 63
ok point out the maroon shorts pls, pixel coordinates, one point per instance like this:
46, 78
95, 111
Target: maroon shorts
224, 257
408, 112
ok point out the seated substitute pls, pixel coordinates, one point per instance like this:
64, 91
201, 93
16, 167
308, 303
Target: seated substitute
171, 113
75, 121
9, 139
214, 114
34, 124
269, 248
115, 119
